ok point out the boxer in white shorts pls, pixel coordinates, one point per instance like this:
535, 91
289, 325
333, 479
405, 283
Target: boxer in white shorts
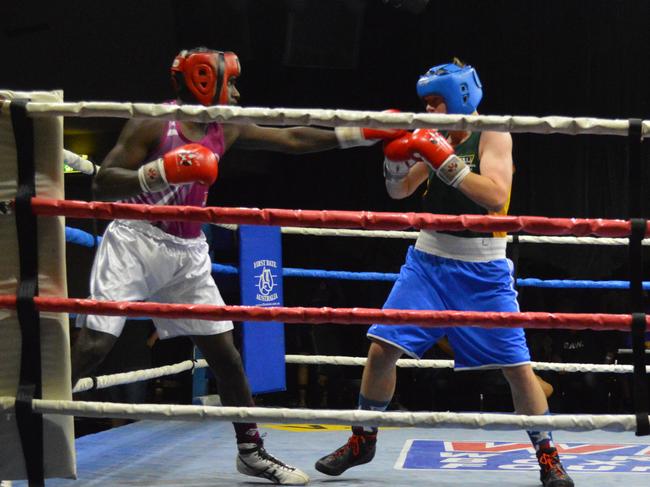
174, 163
185, 277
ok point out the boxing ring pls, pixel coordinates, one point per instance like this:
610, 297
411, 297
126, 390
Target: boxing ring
453, 448
139, 454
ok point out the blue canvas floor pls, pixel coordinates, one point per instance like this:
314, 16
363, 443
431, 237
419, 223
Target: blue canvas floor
202, 454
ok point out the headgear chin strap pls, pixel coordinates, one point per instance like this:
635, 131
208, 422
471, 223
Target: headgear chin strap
459, 86
205, 74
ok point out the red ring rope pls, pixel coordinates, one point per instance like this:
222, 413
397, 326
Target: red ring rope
336, 219
572, 321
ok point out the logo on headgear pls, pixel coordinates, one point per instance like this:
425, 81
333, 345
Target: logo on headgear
266, 281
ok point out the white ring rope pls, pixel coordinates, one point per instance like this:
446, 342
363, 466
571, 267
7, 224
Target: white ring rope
111, 380
488, 421
335, 232
335, 118
447, 364
576, 240
343, 232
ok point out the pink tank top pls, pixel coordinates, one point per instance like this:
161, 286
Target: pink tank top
194, 194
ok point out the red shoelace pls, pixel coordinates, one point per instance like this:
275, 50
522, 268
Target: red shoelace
550, 461
354, 443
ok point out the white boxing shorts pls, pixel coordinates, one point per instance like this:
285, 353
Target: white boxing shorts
137, 261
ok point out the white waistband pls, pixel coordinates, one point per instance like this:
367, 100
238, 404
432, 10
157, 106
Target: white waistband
461, 248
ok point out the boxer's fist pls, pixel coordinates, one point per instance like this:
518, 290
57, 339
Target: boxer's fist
398, 158
189, 163
432, 147
399, 149
364, 136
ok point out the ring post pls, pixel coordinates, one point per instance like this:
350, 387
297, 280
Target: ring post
639, 225
34, 344
260, 282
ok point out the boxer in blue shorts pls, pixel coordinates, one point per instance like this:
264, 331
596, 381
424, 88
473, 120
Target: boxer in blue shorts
431, 282
466, 173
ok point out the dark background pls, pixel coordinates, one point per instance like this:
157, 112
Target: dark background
557, 57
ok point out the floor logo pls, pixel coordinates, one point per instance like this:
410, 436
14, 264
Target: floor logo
502, 456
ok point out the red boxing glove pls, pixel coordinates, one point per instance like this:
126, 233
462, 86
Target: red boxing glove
433, 148
360, 136
399, 149
398, 158
189, 163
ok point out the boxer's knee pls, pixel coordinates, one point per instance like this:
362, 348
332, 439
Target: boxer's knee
383, 355
221, 354
89, 350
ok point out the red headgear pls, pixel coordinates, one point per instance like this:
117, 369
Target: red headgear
206, 74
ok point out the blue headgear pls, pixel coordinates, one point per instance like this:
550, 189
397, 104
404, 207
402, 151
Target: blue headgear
459, 86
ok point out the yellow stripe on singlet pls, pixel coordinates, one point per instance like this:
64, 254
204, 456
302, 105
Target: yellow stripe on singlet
502, 211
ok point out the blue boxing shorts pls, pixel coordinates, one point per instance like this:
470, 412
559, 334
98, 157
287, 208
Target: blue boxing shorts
431, 282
